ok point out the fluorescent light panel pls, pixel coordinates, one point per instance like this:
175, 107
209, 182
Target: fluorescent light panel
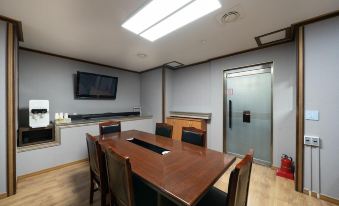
152, 13
186, 15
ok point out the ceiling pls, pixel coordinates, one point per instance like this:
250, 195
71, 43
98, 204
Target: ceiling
91, 30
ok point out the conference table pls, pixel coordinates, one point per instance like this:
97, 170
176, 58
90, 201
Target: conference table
180, 171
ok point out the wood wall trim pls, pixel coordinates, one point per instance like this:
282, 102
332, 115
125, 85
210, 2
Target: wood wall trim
3, 195
299, 186
75, 59
52, 169
321, 196
329, 199
17, 25
314, 19
11, 118
151, 69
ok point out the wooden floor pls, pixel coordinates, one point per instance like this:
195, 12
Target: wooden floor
70, 187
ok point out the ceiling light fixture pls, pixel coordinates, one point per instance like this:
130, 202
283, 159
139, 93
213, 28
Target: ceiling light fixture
188, 14
152, 13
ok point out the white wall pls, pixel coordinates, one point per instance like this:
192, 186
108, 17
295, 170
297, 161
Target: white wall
72, 148
151, 94
3, 151
200, 89
322, 94
52, 78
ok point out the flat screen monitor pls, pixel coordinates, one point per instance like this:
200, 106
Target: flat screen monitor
95, 86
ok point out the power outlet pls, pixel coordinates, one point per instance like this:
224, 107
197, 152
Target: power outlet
308, 140
312, 141
315, 141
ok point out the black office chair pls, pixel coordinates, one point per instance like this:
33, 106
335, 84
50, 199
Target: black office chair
125, 188
194, 136
109, 127
237, 188
98, 173
163, 129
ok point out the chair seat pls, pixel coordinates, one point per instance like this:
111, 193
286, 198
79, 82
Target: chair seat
214, 197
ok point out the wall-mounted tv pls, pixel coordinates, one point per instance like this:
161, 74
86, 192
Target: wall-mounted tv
95, 86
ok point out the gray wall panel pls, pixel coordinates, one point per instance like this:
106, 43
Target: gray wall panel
52, 78
200, 89
322, 94
151, 94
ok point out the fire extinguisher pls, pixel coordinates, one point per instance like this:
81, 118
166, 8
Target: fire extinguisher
287, 167
287, 163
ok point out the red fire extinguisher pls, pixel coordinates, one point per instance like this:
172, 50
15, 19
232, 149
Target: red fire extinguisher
287, 167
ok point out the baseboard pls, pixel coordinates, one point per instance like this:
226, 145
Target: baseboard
3, 195
322, 197
329, 199
51, 169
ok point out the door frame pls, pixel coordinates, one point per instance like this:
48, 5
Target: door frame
225, 104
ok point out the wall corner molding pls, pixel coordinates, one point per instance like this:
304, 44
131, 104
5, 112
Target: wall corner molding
17, 26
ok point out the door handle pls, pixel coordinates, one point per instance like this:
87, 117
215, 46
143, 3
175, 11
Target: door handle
246, 116
230, 114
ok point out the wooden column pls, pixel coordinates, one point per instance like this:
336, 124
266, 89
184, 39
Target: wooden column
11, 134
299, 186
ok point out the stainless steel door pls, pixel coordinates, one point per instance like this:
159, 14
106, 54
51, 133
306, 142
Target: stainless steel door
248, 103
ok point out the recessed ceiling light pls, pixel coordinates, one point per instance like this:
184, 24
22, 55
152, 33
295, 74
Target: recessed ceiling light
186, 15
152, 13
142, 55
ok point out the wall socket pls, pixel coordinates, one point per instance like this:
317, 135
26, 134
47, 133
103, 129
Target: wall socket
312, 141
315, 141
308, 140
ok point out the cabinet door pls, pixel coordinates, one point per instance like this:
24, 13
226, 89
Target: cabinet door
170, 121
196, 124
176, 129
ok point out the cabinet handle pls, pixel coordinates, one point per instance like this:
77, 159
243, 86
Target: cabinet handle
230, 114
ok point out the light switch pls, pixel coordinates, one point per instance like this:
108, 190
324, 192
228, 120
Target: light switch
312, 115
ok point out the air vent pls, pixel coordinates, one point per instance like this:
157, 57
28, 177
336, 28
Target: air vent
174, 64
231, 15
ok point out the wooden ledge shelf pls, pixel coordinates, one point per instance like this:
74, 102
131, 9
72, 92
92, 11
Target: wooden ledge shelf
194, 115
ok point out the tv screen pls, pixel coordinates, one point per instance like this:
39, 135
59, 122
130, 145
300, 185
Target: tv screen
95, 86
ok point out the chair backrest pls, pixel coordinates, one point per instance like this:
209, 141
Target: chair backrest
119, 178
194, 136
109, 127
164, 130
239, 182
97, 160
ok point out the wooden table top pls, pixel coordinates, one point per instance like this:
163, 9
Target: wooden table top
184, 174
